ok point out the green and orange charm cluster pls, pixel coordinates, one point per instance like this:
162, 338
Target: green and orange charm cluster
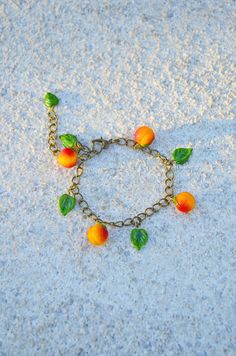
68, 157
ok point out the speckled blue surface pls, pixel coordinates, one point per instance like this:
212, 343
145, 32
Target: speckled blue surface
116, 65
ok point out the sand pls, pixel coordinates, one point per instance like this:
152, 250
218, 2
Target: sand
116, 65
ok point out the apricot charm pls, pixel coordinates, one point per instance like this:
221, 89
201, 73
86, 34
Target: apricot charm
184, 202
67, 157
144, 136
97, 234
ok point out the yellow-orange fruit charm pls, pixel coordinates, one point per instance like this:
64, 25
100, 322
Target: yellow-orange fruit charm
144, 136
97, 234
67, 158
184, 202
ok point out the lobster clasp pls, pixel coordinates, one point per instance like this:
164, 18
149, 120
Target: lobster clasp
99, 144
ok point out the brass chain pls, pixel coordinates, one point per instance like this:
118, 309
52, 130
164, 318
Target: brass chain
97, 147
85, 153
52, 135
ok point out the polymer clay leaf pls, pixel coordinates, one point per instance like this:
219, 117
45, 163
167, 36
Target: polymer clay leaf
139, 238
66, 203
181, 155
50, 100
68, 140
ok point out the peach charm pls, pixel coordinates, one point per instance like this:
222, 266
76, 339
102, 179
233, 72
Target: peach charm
144, 136
67, 158
97, 234
184, 202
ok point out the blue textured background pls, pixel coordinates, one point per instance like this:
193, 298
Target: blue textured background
116, 65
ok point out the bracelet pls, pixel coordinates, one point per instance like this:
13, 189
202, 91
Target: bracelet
76, 154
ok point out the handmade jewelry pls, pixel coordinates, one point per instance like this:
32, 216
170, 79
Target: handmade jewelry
76, 154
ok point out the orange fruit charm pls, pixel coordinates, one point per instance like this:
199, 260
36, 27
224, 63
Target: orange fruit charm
144, 136
97, 234
67, 157
184, 202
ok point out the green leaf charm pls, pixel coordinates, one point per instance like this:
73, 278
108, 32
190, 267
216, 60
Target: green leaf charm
68, 140
50, 100
66, 203
181, 155
139, 238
